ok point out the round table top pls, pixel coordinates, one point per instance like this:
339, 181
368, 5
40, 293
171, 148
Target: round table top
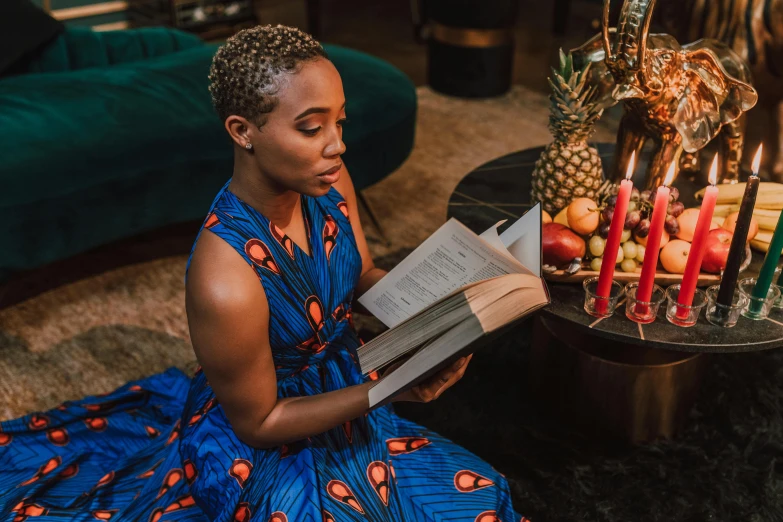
500, 189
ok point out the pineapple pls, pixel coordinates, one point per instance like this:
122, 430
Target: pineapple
568, 168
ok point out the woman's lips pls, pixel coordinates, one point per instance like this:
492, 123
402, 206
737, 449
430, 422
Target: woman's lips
331, 175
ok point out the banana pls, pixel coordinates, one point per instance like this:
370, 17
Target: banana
764, 236
723, 210
762, 246
767, 221
733, 193
759, 245
769, 201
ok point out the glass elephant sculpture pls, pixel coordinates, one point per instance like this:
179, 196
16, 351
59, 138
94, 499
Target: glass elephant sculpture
680, 97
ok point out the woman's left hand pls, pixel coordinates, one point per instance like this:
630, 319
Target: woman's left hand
434, 386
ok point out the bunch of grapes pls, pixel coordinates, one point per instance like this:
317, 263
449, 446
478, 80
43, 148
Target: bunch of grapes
637, 227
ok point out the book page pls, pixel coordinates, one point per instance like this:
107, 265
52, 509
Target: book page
449, 259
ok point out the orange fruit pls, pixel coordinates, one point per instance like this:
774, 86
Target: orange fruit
583, 216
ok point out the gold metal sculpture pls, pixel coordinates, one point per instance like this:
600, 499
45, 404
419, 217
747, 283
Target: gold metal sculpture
680, 97
754, 30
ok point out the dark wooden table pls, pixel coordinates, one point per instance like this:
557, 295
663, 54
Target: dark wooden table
639, 382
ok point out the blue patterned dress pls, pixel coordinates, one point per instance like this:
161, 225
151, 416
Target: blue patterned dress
161, 448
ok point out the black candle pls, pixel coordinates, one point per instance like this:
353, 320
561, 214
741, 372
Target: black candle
740, 238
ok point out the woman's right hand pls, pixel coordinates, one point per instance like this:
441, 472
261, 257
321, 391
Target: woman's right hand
434, 386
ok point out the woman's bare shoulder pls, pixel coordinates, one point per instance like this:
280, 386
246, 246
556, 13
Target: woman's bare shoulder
219, 278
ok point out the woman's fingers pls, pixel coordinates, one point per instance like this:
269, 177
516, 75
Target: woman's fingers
444, 379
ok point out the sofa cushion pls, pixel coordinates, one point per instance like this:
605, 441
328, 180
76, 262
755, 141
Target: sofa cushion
81, 48
62, 132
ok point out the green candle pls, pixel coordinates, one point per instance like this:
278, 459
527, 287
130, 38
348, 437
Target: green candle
770, 264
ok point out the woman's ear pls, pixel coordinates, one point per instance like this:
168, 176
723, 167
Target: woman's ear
240, 131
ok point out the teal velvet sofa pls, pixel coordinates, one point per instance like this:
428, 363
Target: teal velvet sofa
108, 135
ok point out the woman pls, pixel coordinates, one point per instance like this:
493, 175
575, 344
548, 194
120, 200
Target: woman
276, 426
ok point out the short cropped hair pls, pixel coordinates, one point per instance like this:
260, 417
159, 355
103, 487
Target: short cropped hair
244, 72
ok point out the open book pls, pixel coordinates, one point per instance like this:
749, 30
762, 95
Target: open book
455, 288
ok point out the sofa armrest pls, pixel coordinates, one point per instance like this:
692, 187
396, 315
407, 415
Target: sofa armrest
81, 48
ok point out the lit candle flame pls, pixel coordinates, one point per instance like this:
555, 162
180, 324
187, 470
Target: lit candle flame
669, 176
629, 172
757, 160
714, 171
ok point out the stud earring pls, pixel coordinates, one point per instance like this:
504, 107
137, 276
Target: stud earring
248, 145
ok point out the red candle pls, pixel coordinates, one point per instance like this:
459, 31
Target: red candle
650, 263
606, 276
693, 266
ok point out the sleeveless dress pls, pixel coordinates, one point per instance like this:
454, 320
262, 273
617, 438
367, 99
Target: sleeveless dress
161, 448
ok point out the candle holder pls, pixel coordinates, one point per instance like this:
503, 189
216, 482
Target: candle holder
688, 315
592, 299
642, 311
757, 308
778, 304
720, 314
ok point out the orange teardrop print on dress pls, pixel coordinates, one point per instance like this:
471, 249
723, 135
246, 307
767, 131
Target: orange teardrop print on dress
327, 517
339, 313
312, 345
467, 481
378, 475
58, 436
183, 502
242, 513
284, 451
150, 472
211, 221
107, 478
343, 206
5, 439
340, 491
403, 445
260, 254
38, 422
44, 470
348, 429
393, 474
96, 423
282, 238
488, 516
171, 478
278, 516
69, 472
330, 235
151, 432
240, 470
315, 313
24, 510
104, 514
190, 471
174, 433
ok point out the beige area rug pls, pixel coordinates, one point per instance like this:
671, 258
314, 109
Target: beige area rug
94, 335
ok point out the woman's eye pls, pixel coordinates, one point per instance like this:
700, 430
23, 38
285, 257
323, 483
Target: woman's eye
342, 121
310, 132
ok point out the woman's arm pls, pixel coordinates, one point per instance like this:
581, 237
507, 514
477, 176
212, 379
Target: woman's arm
370, 273
228, 316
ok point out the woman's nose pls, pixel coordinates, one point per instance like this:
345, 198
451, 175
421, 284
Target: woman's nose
336, 146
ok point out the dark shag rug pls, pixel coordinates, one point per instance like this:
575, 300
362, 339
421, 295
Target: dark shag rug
726, 466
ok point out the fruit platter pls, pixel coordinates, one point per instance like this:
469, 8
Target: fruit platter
574, 239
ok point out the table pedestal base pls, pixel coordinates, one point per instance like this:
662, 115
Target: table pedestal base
612, 390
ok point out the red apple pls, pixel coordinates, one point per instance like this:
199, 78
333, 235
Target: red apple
560, 245
716, 251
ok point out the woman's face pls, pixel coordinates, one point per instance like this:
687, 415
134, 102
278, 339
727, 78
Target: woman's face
299, 146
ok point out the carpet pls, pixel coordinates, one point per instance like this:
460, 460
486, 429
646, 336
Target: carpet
94, 335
